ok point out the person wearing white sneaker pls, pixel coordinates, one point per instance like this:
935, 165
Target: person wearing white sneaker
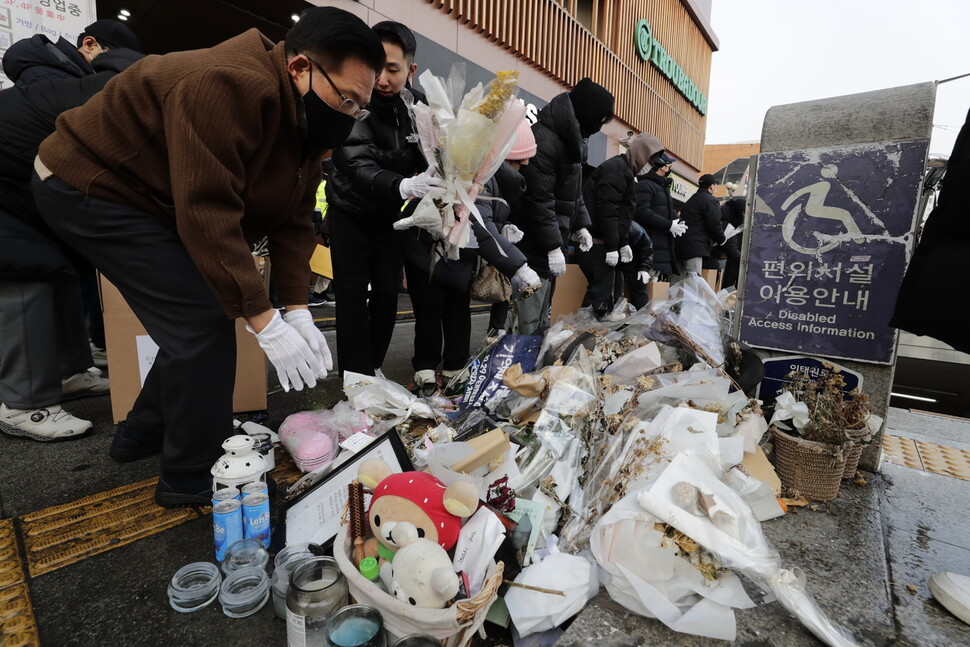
45, 424
952, 590
85, 384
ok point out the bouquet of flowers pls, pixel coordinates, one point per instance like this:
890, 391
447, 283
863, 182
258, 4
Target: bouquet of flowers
464, 142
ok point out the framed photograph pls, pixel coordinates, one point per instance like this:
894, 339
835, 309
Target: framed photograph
5, 19
314, 515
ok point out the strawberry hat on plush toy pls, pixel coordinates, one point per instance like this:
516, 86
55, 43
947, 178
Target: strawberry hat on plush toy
417, 498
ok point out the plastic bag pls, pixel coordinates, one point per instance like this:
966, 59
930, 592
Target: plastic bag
309, 438
690, 496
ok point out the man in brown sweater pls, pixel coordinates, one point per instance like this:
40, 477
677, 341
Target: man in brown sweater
165, 181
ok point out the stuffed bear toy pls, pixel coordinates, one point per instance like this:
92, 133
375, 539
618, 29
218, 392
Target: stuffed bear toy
418, 498
421, 574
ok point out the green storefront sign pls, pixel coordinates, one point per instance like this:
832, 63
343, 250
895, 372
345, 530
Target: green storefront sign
650, 50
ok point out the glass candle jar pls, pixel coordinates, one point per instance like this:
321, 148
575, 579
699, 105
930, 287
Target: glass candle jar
247, 552
356, 626
194, 586
317, 589
286, 561
244, 592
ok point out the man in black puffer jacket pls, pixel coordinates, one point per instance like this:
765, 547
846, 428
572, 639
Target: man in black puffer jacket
373, 173
41, 317
610, 199
655, 210
553, 207
38, 58
702, 215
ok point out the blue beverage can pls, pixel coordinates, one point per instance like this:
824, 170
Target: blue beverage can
225, 494
256, 517
227, 525
256, 487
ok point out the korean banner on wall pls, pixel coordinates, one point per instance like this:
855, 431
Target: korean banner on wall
831, 235
55, 19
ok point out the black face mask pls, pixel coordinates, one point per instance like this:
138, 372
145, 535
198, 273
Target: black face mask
327, 127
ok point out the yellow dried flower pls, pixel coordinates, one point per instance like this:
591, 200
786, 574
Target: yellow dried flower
499, 93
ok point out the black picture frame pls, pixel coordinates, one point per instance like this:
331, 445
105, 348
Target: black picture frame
314, 515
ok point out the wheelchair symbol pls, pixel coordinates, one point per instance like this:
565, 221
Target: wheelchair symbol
814, 207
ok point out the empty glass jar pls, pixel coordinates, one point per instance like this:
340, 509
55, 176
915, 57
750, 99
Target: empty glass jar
286, 561
244, 592
194, 586
247, 552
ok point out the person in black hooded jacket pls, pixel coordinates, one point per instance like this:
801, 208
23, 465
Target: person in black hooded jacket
610, 199
42, 333
702, 215
655, 210
376, 169
552, 207
38, 58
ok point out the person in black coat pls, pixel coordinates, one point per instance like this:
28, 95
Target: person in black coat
376, 169
42, 335
610, 199
441, 297
553, 208
928, 302
638, 271
655, 210
38, 58
732, 213
702, 215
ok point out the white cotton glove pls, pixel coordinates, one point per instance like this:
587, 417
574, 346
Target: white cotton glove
584, 238
677, 228
512, 233
289, 353
525, 277
421, 185
644, 277
626, 254
557, 262
302, 320
612, 258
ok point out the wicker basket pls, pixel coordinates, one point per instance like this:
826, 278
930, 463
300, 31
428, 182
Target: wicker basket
853, 450
454, 626
806, 467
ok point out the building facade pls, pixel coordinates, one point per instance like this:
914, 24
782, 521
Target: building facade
653, 55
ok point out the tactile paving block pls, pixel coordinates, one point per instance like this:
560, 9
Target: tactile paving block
944, 460
902, 451
65, 534
18, 628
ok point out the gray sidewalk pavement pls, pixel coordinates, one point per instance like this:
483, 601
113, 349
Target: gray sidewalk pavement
103, 577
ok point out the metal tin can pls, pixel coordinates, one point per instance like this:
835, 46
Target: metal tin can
256, 487
225, 494
256, 517
227, 525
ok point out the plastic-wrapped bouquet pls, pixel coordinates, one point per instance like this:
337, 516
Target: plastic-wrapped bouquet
464, 142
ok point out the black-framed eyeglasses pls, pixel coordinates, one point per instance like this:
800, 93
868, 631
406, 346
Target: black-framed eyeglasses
347, 105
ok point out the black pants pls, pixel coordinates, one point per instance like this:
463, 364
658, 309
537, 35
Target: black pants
638, 290
600, 276
363, 253
442, 318
498, 316
187, 395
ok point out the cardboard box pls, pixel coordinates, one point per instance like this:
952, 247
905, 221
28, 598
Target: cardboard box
713, 278
131, 352
657, 290
570, 290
